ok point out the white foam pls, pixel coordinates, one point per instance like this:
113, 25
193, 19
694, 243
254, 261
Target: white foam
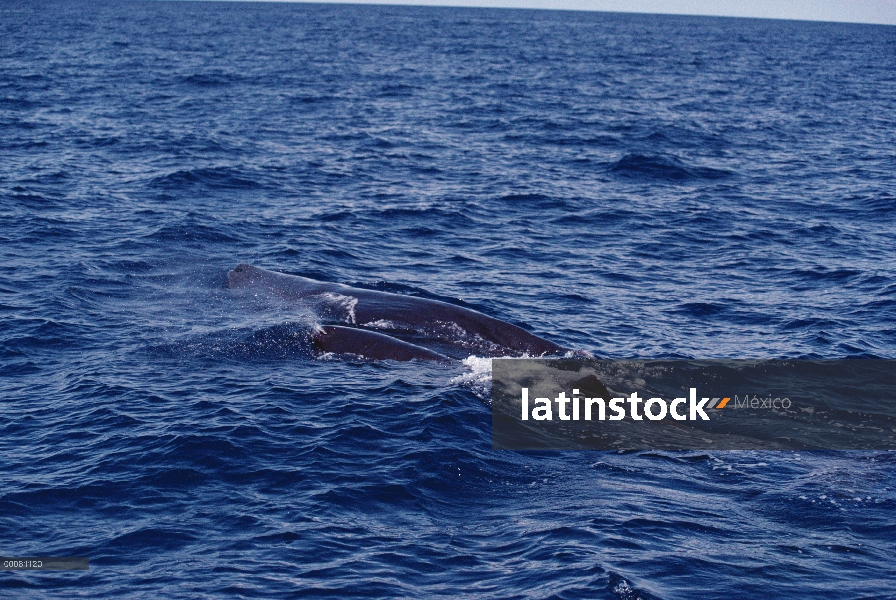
381, 324
347, 303
477, 377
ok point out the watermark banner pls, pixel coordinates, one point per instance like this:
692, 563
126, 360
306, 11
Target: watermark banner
567, 404
45, 563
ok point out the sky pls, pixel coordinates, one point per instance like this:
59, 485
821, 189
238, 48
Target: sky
854, 11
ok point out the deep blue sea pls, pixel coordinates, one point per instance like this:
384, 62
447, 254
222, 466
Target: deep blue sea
632, 185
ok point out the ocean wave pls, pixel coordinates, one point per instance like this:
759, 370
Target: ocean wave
225, 178
663, 168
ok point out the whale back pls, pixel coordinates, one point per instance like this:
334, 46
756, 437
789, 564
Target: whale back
418, 320
370, 344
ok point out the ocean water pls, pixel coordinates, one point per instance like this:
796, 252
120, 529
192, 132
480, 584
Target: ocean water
631, 185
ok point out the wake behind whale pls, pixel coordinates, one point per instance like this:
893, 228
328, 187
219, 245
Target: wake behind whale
386, 326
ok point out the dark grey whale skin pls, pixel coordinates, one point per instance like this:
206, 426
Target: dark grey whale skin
366, 307
370, 345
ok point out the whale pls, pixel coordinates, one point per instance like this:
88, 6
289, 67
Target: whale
363, 318
369, 344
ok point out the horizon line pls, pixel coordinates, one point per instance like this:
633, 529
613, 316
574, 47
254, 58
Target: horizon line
877, 12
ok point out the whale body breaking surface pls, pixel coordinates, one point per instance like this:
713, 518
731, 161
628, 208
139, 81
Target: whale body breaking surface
387, 326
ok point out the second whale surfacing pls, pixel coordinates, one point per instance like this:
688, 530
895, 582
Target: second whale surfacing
420, 320
369, 344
